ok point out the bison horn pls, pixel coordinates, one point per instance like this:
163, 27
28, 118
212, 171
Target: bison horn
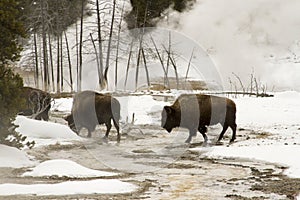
168, 109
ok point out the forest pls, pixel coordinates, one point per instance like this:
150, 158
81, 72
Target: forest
52, 45
61, 36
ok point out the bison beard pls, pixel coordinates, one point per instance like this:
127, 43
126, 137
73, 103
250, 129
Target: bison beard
196, 112
90, 109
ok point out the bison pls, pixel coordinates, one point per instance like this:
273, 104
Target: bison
37, 103
90, 109
197, 111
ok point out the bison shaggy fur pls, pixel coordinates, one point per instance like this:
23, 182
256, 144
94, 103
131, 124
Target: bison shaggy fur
197, 111
90, 109
37, 103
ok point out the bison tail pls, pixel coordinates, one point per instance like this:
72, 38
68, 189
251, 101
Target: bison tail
231, 111
115, 107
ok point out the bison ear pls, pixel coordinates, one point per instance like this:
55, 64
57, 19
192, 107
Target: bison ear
168, 109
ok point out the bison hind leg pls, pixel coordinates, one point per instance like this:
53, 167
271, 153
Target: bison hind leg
108, 127
188, 140
116, 124
225, 127
233, 127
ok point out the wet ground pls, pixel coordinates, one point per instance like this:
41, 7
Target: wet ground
164, 167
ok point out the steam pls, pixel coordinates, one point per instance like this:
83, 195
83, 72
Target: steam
245, 36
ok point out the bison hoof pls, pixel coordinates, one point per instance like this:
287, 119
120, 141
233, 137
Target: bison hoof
231, 141
188, 141
105, 139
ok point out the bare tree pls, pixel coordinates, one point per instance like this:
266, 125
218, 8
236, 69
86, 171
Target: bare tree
79, 78
58, 65
162, 63
36, 61
189, 64
109, 42
240, 81
173, 64
118, 45
51, 63
128, 62
69, 62
100, 48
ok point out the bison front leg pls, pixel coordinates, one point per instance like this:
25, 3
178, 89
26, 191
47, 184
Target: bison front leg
203, 130
89, 133
192, 133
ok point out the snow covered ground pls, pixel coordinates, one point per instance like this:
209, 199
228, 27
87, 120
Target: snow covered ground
97, 186
275, 117
45, 133
279, 117
12, 157
65, 168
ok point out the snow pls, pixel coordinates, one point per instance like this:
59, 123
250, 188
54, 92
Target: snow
142, 107
280, 110
279, 154
13, 157
68, 188
65, 168
279, 116
44, 133
62, 104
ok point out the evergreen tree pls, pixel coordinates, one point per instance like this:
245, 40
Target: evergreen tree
11, 84
11, 29
154, 8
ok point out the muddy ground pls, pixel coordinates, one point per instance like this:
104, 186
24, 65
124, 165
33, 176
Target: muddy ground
164, 167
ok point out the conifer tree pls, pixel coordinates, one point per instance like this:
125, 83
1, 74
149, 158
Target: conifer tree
11, 84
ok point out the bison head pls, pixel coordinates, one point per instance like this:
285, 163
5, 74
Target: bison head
169, 119
70, 120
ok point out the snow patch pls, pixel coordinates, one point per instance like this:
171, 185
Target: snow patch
142, 107
13, 157
266, 112
281, 154
67, 168
68, 188
44, 133
62, 105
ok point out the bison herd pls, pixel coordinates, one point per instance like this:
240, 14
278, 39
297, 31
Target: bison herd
194, 112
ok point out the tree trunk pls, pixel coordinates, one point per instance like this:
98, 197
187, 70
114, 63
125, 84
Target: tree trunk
58, 66
36, 74
80, 48
69, 62
100, 49
51, 64
100, 74
61, 65
110, 39
118, 43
